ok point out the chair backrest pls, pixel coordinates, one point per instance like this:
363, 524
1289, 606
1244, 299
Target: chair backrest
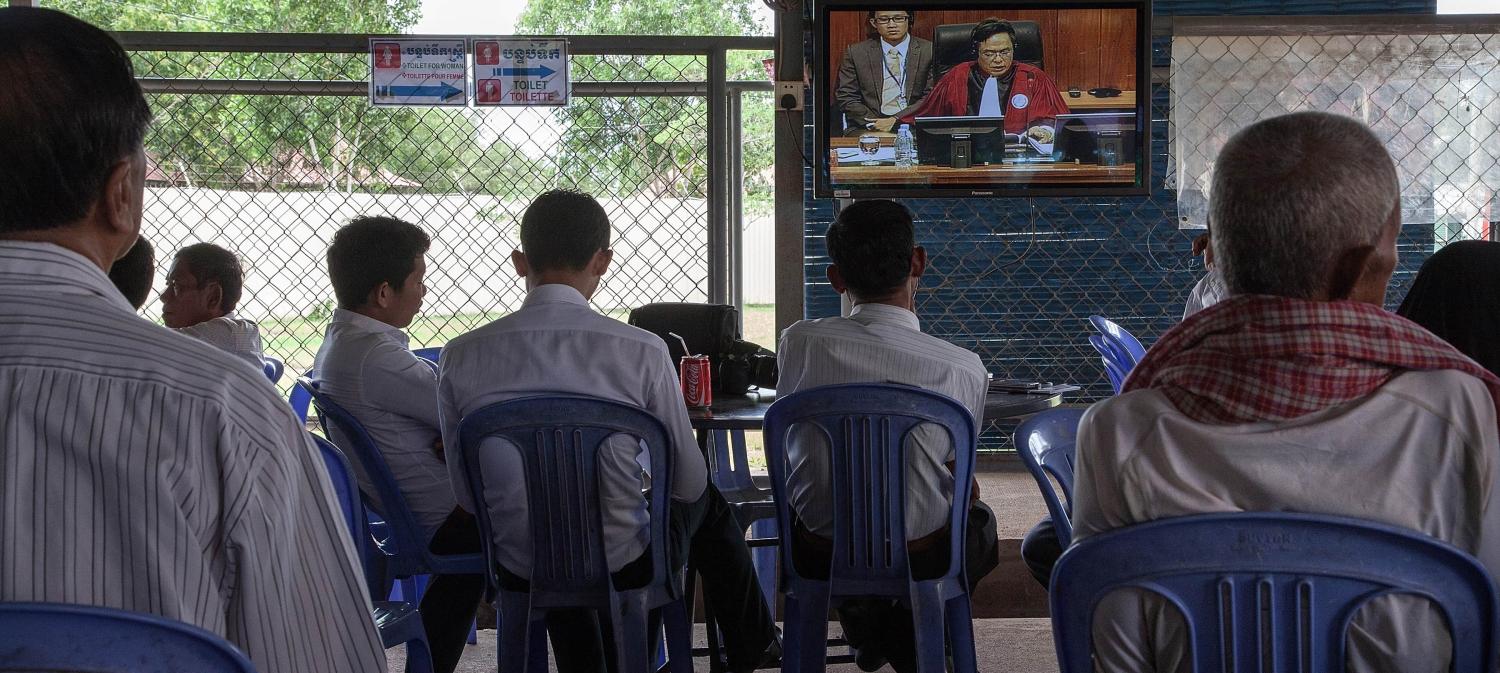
345, 487
63, 637
951, 44
1270, 590
1120, 338
410, 554
865, 427
559, 439
430, 354
1046, 443
273, 369
1116, 363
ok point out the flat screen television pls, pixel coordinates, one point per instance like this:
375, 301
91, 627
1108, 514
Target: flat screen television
987, 99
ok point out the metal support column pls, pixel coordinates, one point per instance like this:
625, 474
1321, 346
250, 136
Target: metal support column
718, 178
790, 164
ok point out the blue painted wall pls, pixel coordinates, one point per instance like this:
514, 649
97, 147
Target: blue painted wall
1016, 279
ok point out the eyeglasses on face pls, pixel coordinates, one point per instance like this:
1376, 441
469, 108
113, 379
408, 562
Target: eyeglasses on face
890, 20
993, 54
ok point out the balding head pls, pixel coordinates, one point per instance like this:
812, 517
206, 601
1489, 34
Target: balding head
1305, 205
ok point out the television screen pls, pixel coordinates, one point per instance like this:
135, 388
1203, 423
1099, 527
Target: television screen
1019, 98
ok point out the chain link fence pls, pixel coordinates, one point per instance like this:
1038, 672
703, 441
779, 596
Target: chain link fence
268, 148
1428, 90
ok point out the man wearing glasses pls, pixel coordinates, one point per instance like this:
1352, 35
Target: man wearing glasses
995, 84
885, 77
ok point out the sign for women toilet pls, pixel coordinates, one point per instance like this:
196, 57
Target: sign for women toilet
418, 72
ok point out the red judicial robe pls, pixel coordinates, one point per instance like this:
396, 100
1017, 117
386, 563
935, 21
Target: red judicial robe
1033, 98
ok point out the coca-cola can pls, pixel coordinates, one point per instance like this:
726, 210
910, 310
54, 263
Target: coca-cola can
697, 380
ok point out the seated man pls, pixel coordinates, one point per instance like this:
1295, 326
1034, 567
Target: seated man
1209, 289
994, 84
141, 469
878, 265
884, 77
133, 273
366, 365
1298, 393
203, 287
556, 343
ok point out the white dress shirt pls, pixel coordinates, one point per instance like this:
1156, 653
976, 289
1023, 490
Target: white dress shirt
1208, 291
877, 343
367, 367
144, 470
1421, 452
556, 344
232, 334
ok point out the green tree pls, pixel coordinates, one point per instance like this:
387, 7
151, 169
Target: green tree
654, 145
336, 141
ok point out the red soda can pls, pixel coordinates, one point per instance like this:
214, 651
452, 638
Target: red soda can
694, 373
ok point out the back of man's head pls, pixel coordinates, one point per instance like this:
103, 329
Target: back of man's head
562, 229
1293, 194
871, 243
209, 263
70, 109
133, 273
373, 250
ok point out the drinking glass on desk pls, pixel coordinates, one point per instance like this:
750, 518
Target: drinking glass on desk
869, 144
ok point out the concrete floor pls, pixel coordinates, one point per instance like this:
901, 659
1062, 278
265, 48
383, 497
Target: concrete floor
1004, 645
1011, 630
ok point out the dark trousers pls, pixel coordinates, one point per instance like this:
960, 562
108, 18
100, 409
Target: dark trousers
883, 625
706, 531
450, 600
1040, 550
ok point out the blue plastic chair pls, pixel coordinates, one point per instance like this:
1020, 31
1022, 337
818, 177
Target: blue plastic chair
1121, 338
1115, 363
431, 353
866, 426
1046, 442
300, 399
399, 622
558, 438
405, 547
273, 369
65, 637
1291, 580
729, 469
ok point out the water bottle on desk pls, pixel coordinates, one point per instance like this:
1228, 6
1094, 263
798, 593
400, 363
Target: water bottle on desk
906, 148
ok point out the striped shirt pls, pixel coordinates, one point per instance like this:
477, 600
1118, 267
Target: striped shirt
232, 334
877, 343
145, 470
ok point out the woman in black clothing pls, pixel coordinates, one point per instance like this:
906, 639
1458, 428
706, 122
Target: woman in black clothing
1456, 296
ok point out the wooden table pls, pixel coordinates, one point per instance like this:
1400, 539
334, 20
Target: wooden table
1124, 101
1041, 173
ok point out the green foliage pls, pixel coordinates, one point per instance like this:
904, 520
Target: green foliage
652, 145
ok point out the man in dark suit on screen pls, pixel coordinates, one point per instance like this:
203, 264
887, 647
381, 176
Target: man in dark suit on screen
884, 77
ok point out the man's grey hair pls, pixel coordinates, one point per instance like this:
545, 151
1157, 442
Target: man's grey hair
1291, 194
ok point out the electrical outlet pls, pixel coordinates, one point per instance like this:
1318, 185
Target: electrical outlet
789, 95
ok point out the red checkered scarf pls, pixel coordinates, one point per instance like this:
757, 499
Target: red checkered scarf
1261, 358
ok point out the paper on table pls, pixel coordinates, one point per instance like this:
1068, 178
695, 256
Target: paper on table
848, 154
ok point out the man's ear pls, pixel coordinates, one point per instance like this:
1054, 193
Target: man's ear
518, 260
382, 296
1348, 269
918, 261
119, 201
599, 263
836, 279
213, 298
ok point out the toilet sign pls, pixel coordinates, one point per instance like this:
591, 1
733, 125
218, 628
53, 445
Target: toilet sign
510, 72
418, 72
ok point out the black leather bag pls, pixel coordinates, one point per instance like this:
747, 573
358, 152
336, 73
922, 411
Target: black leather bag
712, 330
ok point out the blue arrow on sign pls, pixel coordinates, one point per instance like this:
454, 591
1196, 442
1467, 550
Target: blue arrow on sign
542, 71
441, 91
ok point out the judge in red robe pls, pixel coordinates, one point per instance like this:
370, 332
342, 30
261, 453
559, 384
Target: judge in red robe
995, 84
